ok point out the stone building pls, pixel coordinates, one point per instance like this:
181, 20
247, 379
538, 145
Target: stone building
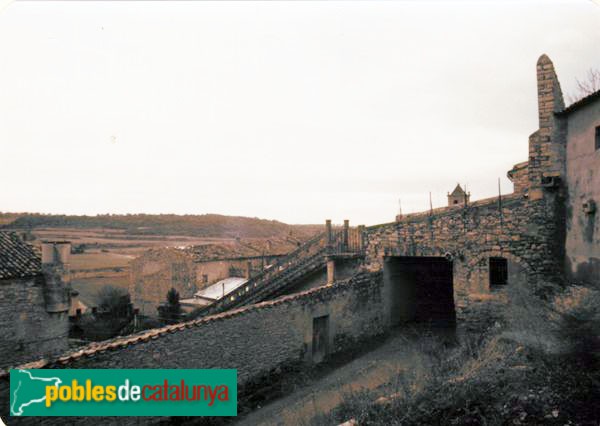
458, 197
34, 299
189, 270
155, 272
580, 130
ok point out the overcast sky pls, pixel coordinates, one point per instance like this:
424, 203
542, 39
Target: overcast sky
295, 111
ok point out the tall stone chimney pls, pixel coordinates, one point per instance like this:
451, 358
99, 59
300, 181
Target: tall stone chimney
547, 145
55, 267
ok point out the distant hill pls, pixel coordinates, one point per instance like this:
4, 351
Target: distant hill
207, 225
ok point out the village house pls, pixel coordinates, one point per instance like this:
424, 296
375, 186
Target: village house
34, 299
195, 268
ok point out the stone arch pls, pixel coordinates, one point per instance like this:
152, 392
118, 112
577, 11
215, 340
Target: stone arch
478, 270
499, 253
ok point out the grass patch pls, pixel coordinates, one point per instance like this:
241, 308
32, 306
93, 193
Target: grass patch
539, 366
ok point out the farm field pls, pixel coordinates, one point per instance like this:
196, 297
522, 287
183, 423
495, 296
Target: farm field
107, 253
99, 260
118, 241
104, 246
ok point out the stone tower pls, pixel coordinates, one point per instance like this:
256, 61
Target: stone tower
547, 145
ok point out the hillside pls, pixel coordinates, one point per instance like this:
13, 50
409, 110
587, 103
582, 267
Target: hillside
207, 225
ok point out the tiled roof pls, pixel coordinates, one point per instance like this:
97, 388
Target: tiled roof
17, 258
580, 103
457, 191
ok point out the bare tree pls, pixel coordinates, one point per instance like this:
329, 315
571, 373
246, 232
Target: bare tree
585, 87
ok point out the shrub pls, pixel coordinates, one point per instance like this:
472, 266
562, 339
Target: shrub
170, 312
577, 315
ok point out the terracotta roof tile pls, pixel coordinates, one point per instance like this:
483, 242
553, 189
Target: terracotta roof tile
17, 258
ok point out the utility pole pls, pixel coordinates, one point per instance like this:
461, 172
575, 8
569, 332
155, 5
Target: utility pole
430, 204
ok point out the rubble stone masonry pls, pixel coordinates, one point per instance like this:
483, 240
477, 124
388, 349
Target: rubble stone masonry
27, 331
512, 227
254, 340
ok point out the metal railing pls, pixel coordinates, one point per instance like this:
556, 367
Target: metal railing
306, 259
313, 249
346, 240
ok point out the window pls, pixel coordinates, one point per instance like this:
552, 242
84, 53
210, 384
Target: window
597, 146
455, 201
498, 271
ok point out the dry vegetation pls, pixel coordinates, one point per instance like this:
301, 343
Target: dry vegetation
538, 366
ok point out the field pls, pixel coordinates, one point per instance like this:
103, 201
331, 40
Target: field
103, 240
106, 254
104, 245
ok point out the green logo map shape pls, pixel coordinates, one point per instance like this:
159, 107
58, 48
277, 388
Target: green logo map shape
28, 392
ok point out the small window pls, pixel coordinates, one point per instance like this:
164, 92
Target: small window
597, 146
455, 201
498, 271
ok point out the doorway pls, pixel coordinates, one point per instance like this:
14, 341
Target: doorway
320, 340
421, 290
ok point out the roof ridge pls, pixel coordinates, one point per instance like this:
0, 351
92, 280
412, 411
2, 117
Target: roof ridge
579, 103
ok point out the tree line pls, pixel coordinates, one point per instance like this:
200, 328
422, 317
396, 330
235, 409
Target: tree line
207, 225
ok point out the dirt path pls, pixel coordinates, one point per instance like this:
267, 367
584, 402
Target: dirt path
370, 371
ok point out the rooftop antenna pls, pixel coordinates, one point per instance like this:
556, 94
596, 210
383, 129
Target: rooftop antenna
399, 207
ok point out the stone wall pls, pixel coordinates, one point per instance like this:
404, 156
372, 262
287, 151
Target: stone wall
547, 145
155, 272
514, 228
27, 330
519, 176
255, 340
